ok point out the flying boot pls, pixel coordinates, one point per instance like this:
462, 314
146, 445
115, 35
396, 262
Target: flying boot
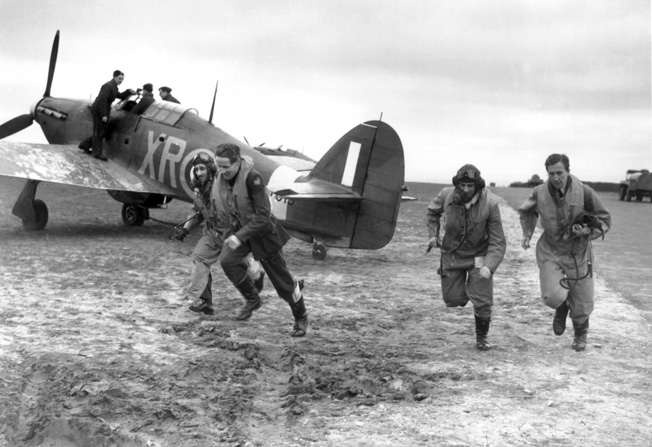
481, 331
300, 318
581, 330
559, 321
205, 302
260, 282
299, 313
203, 305
252, 300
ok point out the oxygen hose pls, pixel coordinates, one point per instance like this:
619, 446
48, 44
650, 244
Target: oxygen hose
178, 226
566, 282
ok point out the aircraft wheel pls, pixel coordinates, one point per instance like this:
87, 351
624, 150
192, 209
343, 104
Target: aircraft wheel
319, 251
623, 191
133, 215
628, 195
41, 213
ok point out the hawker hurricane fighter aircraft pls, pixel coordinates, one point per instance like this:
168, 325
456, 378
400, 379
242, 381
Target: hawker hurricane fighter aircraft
348, 199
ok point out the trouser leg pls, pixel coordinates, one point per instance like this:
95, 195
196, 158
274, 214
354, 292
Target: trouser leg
234, 264
453, 288
99, 131
205, 254
580, 300
480, 293
205, 302
552, 291
200, 281
288, 289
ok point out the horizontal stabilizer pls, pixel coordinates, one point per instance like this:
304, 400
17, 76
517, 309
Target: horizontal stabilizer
314, 190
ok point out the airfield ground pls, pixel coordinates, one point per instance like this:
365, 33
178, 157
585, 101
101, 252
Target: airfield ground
97, 347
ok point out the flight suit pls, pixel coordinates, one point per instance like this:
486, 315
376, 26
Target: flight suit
563, 258
209, 246
246, 202
473, 237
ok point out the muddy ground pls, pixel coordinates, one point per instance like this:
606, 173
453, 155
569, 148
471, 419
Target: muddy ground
97, 347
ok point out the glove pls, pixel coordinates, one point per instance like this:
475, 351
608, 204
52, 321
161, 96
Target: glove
485, 272
233, 242
525, 243
435, 242
180, 234
581, 230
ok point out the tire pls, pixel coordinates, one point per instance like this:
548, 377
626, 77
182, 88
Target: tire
623, 191
319, 251
41, 214
628, 196
639, 197
133, 215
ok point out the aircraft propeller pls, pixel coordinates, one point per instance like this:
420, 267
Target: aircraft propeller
22, 122
53, 63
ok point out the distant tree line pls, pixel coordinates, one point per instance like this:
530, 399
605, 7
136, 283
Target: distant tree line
536, 180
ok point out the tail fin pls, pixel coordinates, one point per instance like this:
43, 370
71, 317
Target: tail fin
368, 159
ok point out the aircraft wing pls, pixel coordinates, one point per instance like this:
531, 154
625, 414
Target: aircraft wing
68, 165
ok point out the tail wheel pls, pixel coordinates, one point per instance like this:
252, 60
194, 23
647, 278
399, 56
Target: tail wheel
41, 214
134, 215
319, 251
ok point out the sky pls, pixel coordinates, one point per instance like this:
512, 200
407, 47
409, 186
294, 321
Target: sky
500, 84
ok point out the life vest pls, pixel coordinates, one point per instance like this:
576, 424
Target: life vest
557, 218
212, 212
468, 224
241, 209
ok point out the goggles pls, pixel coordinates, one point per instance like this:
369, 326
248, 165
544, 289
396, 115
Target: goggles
202, 158
467, 173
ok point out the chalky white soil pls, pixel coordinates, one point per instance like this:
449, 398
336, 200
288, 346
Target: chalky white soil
97, 347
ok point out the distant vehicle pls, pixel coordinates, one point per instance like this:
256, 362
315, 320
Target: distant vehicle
637, 184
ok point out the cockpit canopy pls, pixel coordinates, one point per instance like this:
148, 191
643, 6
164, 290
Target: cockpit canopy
166, 112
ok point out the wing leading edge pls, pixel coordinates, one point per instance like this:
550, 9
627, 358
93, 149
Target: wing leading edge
67, 165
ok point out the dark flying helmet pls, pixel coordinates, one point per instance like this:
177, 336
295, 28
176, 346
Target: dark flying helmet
469, 174
203, 159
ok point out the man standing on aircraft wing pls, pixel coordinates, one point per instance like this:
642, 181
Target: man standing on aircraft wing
101, 110
253, 229
473, 246
209, 246
572, 215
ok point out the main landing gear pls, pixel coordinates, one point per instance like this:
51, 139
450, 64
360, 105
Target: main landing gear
33, 212
134, 215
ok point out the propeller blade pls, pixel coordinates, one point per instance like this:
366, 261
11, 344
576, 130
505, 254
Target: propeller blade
53, 63
210, 118
15, 125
